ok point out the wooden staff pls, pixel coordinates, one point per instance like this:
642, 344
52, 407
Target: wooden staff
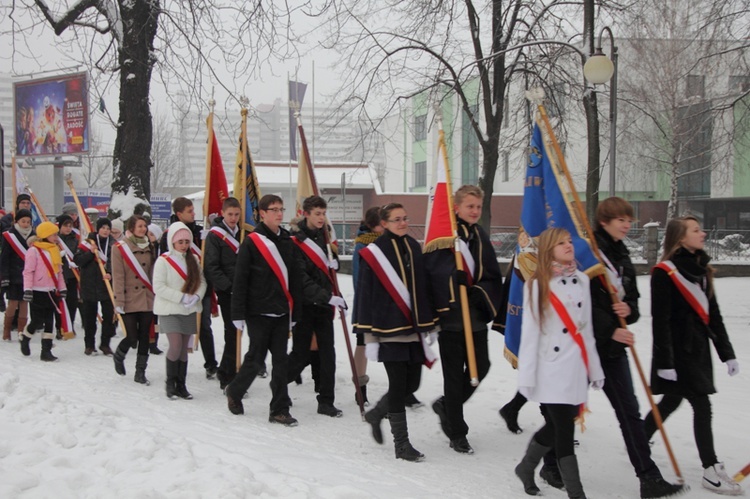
615, 299
744, 472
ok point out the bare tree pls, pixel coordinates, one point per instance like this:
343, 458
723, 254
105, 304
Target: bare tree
165, 153
95, 171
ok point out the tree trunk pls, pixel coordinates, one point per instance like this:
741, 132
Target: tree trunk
593, 172
487, 179
132, 154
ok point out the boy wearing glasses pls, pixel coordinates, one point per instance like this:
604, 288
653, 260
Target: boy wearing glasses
318, 303
483, 281
265, 295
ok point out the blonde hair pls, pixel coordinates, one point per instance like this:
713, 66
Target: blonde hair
467, 190
545, 256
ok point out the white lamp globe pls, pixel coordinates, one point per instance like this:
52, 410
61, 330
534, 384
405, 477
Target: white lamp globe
598, 69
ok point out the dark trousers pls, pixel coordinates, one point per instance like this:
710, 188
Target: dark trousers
207, 336
88, 317
320, 321
228, 365
137, 329
559, 428
71, 300
456, 379
42, 312
619, 390
403, 379
704, 436
266, 334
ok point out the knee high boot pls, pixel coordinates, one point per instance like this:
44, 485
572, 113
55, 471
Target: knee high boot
181, 378
25, 338
172, 373
141, 362
375, 416
46, 354
119, 357
571, 477
7, 326
525, 469
400, 431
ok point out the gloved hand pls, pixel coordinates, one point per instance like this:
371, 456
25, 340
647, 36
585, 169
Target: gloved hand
597, 384
668, 374
204, 233
431, 337
239, 325
28, 295
63, 293
733, 367
189, 300
372, 351
333, 264
5, 283
119, 310
338, 302
462, 278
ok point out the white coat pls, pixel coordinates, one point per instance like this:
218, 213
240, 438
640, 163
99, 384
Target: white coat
168, 283
550, 366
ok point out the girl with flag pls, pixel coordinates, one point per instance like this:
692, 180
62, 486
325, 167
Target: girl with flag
12, 258
179, 287
685, 316
132, 273
392, 308
557, 358
44, 287
68, 245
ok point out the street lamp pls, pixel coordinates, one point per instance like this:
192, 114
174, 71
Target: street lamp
600, 69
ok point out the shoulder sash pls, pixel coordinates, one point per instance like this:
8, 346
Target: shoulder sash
692, 292
575, 334
15, 244
314, 253
132, 262
271, 255
469, 264
225, 236
179, 267
388, 278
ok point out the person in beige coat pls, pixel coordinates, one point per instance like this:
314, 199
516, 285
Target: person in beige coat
132, 269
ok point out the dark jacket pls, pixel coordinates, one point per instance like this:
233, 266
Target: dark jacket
681, 339
220, 259
92, 283
605, 320
11, 265
256, 289
6, 222
194, 228
485, 293
317, 288
374, 310
71, 241
364, 237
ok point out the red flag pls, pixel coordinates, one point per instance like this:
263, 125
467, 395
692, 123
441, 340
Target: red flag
441, 230
218, 180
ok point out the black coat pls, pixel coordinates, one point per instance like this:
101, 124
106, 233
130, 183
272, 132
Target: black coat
219, 259
92, 283
605, 320
256, 289
194, 228
681, 339
374, 310
71, 241
317, 288
485, 293
11, 265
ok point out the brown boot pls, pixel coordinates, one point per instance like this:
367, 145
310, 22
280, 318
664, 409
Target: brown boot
22, 321
7, 326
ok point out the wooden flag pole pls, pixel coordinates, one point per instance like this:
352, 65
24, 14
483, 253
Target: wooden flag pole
243, 207
613, 296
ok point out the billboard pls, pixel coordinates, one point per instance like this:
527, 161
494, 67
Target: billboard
52, 115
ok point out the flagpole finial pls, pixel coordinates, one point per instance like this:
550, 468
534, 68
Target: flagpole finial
438, 112
12, 145
68, 177
244, 102
535, 95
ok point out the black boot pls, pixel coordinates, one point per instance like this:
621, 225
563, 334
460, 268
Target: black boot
571, 477
439, 407
551, 475
362, 383
119, 358
140, 370
46, 354
181, 377
653, 487
25, 348
375, 416
400, 431
172, 373
525, 469
509, 413
154, 347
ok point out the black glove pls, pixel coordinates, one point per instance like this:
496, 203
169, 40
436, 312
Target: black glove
462, 278
28, 295
63, 293
5, 283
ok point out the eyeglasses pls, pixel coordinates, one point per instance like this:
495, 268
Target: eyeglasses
276, 210
398, 220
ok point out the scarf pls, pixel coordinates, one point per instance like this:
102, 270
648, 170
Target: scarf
141, 242
54, 252
24, 232
560, 270
366, 238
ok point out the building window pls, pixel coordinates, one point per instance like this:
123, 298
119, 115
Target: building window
506, 166
420, 127
420, 174
469, 149
696, 86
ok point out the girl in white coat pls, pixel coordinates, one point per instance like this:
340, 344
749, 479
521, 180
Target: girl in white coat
179, 286
557, 358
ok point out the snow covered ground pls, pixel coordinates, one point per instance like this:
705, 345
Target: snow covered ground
75, 429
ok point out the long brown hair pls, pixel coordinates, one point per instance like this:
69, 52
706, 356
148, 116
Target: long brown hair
193, 281
675, 233
545, 254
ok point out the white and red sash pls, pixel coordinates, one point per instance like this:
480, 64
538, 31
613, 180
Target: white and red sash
196, 250
271, 255
388, 278
315, 254
179, 267
615, 279
468, 258
570, 325
692, 292
68, 254
225, 236
15, 244
88, 247
61, 306
133, 264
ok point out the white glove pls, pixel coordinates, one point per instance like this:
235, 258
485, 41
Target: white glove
119, 310
668, 374
333, 264
239, 325
733, 367
372, 350
338, 302
597, 384
430, 338
204, 233
189, 300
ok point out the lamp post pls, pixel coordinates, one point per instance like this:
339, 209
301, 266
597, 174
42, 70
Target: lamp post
600, 69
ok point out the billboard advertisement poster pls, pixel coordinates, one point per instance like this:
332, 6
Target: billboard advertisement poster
52, 115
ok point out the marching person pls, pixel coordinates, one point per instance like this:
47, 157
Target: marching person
68, 244
15, 245
23, 202
685, 317
93, 290
557, 358
614, 217
179, 286
154, 234
44, 287
184, 212
318, 304
392, 307
132, 272
266, 298
483, 280
222, 245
